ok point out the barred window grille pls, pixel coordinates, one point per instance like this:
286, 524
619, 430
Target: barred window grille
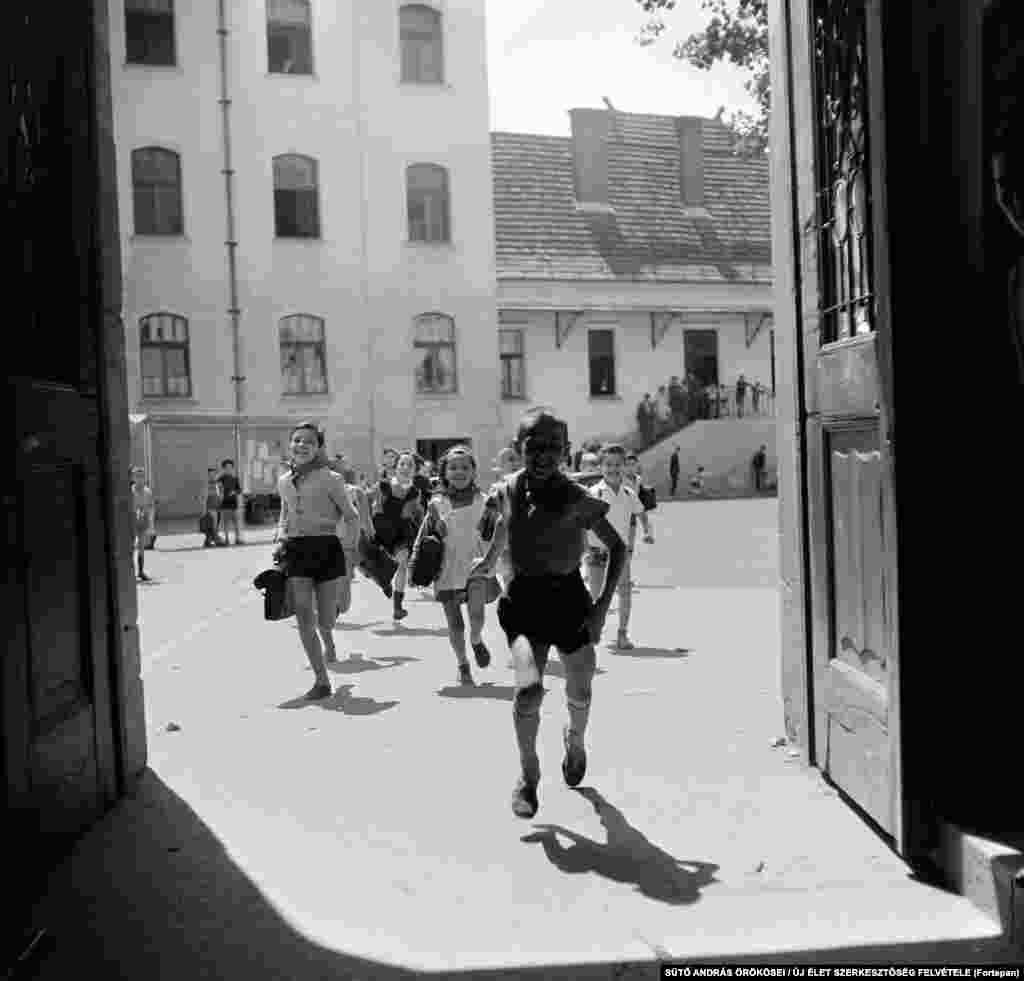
303, 355
844, 187
163, 344
434, 343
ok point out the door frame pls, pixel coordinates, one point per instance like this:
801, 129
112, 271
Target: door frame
795, 171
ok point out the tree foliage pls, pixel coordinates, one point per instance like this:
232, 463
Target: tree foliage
736, 33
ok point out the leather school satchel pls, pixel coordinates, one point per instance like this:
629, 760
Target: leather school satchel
427, 556
277, 602
648, 497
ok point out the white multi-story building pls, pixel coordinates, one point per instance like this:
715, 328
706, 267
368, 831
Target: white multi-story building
307, 230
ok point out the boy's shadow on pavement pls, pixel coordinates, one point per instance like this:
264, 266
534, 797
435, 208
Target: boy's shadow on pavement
663, 652
401, 631
487, 689
342, 701
627, 856
357, 665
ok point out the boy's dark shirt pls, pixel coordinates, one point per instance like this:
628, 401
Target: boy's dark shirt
673, 463
229, 488
546, 527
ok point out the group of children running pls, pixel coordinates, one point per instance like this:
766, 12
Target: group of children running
526, 543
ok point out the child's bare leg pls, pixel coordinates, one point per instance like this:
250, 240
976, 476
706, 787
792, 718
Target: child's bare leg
327, 614
398, 584
476, 592
456, 629
625, 594
302, 601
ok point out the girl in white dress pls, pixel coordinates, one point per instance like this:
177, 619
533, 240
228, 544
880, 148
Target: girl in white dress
454, 515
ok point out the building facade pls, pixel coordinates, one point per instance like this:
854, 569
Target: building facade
635, 250
307, 230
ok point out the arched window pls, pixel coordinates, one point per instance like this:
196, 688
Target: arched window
149, 32
289, 37
296, 208
422, 48
303, 355
163, 342
427, 202
156, 191
435, 354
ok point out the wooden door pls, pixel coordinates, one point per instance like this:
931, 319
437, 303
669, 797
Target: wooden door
60, 752
849, 413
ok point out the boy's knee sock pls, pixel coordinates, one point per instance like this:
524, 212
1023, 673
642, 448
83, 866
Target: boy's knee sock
398, 596
579, 715
526, 717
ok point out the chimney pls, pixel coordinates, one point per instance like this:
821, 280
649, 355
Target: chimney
691, 160
590, 129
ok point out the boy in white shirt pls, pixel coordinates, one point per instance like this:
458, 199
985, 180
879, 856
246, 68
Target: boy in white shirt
623, 507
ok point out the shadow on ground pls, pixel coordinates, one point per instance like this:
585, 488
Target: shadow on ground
357, 664
664, 652
155, 895
151, 892
400, 631
486, 689
627, 856
341, 701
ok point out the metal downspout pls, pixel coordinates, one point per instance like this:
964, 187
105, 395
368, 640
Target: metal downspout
234, 313
364, 259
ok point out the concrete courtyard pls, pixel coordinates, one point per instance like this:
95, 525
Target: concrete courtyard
370, 835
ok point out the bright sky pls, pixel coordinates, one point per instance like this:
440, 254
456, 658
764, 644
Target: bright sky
546, 57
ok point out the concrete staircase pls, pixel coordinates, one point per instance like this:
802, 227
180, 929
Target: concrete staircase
722, 446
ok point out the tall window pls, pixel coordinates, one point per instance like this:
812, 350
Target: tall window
163, 341
422, 48
510, 341
428, 206
303, 355
156, 191
289, 37
435, 354
601, 353
149, 32
296, 209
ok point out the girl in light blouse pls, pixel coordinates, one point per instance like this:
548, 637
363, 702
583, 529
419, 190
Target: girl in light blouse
313, 500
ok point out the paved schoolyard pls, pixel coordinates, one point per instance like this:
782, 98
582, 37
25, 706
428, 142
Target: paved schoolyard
371, 836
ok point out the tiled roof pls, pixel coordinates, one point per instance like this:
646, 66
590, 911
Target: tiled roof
650, 235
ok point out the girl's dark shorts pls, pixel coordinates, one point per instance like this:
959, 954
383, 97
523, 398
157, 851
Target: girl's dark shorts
316, 557
547, 610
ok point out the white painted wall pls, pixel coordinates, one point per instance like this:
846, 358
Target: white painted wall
364, 127
560, 377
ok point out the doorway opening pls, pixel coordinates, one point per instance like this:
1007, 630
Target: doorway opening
700, 356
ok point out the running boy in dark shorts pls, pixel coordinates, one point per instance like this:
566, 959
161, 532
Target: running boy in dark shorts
543, 517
